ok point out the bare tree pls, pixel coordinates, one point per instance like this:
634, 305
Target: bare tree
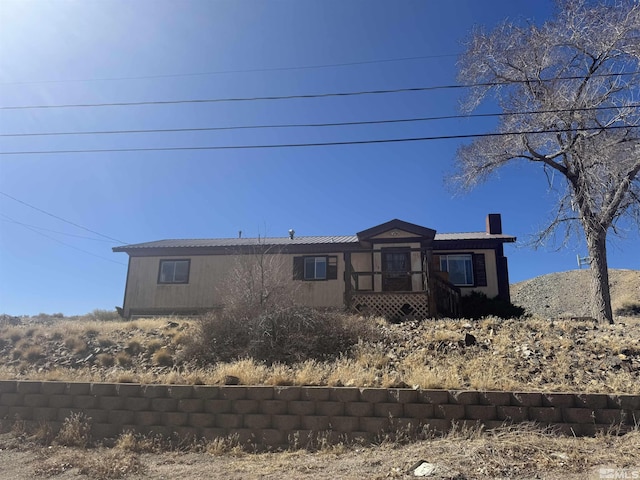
569, 92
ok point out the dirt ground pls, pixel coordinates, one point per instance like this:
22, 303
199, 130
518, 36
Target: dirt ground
516, 455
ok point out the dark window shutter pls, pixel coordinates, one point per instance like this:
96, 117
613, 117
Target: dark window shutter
435, 261
479, 270
332, 268
298, 268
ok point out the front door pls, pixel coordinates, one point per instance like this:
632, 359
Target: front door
396, 268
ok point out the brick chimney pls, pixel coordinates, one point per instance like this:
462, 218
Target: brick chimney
494, 224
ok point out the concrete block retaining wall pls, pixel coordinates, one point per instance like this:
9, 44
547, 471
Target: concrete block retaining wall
274, 416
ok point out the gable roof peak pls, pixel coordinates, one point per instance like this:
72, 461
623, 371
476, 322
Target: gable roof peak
396, 224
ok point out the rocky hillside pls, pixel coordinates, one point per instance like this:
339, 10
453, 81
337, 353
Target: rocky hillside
567, 293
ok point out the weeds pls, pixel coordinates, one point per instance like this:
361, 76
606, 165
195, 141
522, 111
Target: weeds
75, 431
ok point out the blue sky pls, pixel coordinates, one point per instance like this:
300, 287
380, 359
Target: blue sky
73, 52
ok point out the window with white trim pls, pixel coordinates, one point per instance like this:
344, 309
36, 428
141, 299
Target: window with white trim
174, 271
459, 267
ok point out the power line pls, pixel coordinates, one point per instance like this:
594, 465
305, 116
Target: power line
62, 219
304, 125
247, 70
10, 220
67, 244
317, 144
296, 97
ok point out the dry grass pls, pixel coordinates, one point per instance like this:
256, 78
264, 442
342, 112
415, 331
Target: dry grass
559, 355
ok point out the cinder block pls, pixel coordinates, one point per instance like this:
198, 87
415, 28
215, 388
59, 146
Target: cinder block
105, 430
45, 414
245, 435
190, 405
315, 423
148, 418
28, 387
464, 397
35, 400
64, 413
11, 399
103, 389
273, 407
176, 419
330, 408
155, 391
202, 420
449, 411
480, 412
302, 407
8, 386
362, 438
439, 425
406, 425
257, 421
212, 433
108, 403
591, 400
121, 417
433, 396
286, 393
53, 388
627, 402
259, 393
20, 412
85, 401
185, 433
374, 424
315, 394
358, 409
137, 403
164, 404
344, 424
245, 406
373, 395
344, 394
228, 420
418, 410
162, 431
286, 422
60, 401
512, 413
272, 437
217, 406
494, 398
402, 395
229, 392
206, 392
388, 410
78, 388
610, 416
129, 389
493, 424
524, 399
578, 415
97, 415
545, 414
562, 400
181, 391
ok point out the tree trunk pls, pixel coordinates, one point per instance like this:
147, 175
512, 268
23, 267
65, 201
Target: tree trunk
600, 294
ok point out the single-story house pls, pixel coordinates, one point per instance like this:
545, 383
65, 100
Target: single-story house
394, 269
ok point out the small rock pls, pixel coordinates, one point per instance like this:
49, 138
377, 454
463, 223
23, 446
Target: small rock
469, 340
423, 469
231, 380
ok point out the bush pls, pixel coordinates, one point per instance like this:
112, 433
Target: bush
279, 334
478, 305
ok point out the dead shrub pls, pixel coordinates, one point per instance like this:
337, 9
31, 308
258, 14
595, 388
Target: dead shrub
106, 360
123, 359
76, 344
33, 353
75, 431
163, 358
279, 334
134, 347
154, 345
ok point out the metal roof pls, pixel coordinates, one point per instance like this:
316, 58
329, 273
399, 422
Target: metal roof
318, 240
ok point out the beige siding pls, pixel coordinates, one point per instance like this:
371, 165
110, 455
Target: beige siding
208, 276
